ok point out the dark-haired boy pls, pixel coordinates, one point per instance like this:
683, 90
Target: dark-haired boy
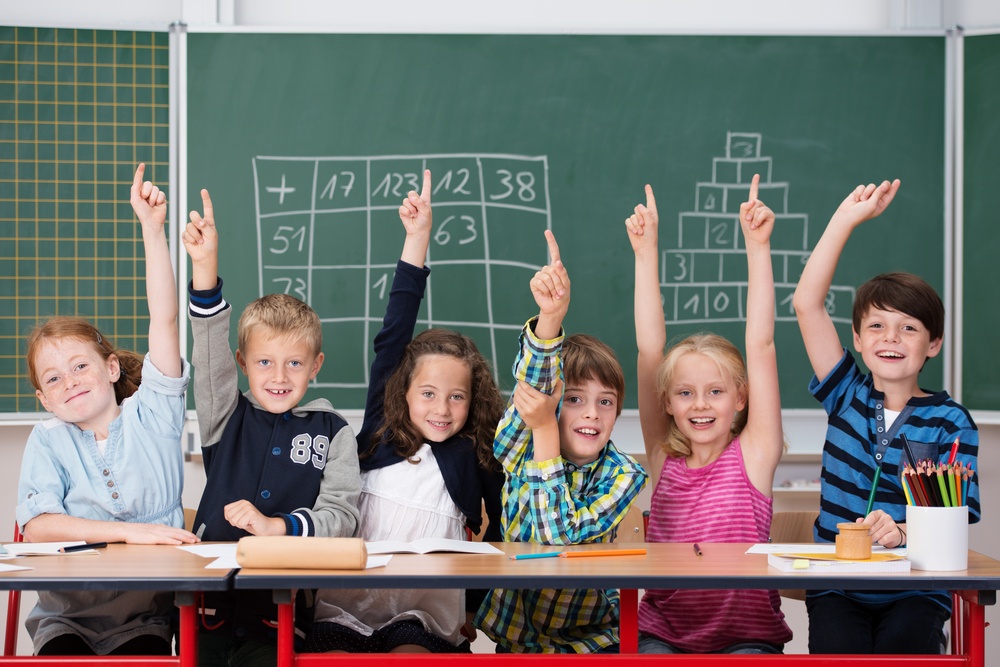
898, 324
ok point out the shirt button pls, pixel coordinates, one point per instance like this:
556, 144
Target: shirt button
878, 417
878, 407
554, 515
115, 495
880, 429
885, 442
110, 484
287, 416
276, 451
265, 494
545, 475
878, 457
106, 472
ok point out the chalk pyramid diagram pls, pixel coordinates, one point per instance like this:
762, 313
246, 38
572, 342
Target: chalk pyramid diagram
703, 275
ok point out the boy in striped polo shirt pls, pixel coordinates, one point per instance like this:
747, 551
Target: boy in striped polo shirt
898, 323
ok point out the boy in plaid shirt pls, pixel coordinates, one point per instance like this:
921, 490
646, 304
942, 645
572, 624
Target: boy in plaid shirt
566, 482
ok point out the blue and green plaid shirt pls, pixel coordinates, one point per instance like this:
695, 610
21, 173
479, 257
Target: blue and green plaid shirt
555, 502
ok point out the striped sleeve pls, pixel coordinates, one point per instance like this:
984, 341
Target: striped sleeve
205, 303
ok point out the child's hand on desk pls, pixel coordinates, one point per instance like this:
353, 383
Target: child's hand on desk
242, 514
866, 202
154, 533
883, 529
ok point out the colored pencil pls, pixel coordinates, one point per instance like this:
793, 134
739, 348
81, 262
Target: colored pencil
871, 496
595, 554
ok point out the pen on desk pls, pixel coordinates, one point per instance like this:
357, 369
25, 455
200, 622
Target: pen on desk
551, 554
83, 547
697, 550
594, 554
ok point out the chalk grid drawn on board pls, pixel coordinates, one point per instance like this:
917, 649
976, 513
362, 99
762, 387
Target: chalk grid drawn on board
328, 232
704, 277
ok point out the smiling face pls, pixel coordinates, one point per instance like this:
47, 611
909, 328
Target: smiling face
703, 400
439, 395
894, 346
589, 412
279, 370
77, 383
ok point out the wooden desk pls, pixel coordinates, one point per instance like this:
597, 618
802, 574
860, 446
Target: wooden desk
664, 566
123, 567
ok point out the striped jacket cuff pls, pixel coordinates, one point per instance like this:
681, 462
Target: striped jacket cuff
205, 303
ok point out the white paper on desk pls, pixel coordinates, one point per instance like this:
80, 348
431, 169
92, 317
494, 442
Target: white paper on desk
211, 550
812, 548
11, 568
377, 561
428, 544
45, 548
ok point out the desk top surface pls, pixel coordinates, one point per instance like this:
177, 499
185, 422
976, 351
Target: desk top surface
117, 567
663, 566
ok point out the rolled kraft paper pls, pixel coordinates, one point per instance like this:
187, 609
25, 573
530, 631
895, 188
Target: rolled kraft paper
853, 541
302, 553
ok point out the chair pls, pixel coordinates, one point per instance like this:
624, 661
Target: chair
13, 611
793, 528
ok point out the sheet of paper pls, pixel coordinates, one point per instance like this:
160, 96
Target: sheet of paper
377, 561
211, 550
4, 567
45, 548
429, 544
823, 548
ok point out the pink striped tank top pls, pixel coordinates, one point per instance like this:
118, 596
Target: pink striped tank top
716, 503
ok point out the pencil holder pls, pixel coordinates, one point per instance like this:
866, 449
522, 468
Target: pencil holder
853, 541
937, 538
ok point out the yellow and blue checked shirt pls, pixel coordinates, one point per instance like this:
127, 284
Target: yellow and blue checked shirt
555, 502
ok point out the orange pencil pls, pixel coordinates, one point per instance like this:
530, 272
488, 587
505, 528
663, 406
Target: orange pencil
594, 554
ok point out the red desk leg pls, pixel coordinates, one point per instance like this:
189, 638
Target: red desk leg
628, 631
286, 628
187, 636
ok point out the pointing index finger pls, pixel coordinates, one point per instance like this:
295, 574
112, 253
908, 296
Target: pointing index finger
553, 246
425, 192
650, 199
753, 187
206, 203
137, 180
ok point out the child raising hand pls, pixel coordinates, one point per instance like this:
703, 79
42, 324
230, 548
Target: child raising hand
712, 449
122, 415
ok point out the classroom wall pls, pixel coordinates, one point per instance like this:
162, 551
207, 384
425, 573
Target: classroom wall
552, 16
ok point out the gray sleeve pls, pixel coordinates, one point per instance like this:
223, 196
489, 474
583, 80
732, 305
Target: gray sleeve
215, 375
335, 513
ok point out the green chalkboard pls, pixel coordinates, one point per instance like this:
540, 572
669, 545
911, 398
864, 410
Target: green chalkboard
79, 109
308, 143
980, 389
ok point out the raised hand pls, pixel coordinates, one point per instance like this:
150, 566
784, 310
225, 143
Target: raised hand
643, 225
550, 285
866, 202
415, 214
148, 201
415, 211
756, 219
201, 239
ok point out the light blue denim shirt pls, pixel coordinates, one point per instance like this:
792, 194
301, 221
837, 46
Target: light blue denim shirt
139, 479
